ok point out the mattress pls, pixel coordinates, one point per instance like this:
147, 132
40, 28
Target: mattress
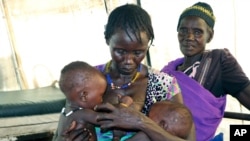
26, 112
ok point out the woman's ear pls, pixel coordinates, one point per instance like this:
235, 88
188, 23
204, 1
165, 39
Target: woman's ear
163, 124
107, 42
211, 35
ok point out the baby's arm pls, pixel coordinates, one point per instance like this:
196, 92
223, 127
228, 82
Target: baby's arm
82, 122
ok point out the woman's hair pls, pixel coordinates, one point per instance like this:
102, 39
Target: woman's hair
129, 17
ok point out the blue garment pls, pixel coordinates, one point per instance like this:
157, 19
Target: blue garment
107, 136
218, 137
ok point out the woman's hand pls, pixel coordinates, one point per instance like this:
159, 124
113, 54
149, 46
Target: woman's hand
122, 117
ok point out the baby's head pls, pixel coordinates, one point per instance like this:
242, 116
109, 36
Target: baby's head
82, 84
173, 117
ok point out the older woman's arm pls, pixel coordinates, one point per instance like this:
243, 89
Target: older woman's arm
244, 97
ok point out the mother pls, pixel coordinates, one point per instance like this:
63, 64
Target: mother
129, 33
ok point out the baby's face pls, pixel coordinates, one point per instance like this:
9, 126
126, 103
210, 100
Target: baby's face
156, 115
86, 93
173, 121
167, 121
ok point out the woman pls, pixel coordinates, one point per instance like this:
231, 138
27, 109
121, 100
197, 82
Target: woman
214, 73
129, 34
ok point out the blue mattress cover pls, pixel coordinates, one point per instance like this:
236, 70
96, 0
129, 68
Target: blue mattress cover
31, 102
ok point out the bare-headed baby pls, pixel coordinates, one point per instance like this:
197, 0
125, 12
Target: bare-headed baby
175, 118
83, 86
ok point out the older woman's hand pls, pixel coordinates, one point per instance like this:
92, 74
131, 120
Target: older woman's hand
122, 117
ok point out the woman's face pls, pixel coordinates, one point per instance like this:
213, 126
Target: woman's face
193, 34
126, 51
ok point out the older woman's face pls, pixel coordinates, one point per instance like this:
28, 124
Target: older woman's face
193, 34
126, 51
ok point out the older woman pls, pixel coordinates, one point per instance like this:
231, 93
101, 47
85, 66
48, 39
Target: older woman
206, 76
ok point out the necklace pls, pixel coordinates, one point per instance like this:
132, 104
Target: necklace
71, 112
124, 86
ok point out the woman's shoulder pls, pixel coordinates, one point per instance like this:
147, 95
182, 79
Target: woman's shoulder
221, 51
220, 55
223, 55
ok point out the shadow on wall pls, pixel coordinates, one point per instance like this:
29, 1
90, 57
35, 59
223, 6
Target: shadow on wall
8, 79
42, 76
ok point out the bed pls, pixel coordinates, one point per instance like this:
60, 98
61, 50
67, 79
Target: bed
29, 112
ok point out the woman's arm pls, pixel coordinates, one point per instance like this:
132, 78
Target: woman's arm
128, 118
244, 97
140, 136
177, 98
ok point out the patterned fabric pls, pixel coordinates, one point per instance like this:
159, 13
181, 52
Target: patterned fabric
161, 86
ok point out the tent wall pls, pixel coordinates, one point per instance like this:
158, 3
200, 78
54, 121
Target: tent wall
47, 34
38, 37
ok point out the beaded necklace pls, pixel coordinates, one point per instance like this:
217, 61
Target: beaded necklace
124, 86
71, 112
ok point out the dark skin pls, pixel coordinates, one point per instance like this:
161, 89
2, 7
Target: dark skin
81, 91
127, 53
85, 92
193, 35
124, 69
173, 117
